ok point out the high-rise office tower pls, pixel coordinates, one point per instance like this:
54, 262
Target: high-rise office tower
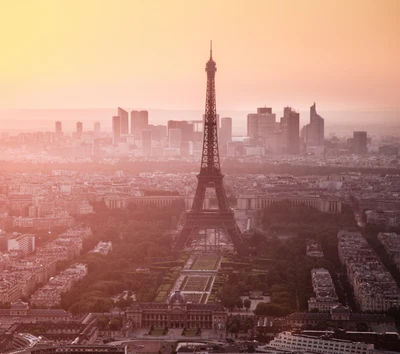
225, 134
198, 127
96, 147
186, 128
158, 132
314, 131
146, 143
290, 125
186, 148
116, 128
124, 121
360, 142
96, 128
58, 129
79, 129
252, 126
226, 129
139, 122
175, 138
261, 125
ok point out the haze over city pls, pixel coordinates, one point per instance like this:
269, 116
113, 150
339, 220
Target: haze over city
202, 177
146, 54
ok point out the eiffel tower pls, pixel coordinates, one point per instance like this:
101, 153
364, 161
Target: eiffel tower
210, 176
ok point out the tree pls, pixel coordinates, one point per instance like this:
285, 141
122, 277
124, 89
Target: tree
239, 303
234, 328
247, 303
362, 326
116, 324
102, 322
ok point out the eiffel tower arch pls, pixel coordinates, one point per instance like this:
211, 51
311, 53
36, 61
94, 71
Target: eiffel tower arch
210, 176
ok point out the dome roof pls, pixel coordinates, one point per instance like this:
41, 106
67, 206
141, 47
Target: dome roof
19, 305
177, 298
340, 309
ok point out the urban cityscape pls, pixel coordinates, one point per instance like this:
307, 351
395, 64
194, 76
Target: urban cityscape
273, 229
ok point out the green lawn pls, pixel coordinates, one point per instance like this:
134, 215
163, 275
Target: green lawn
196, 283
157, 332
205, 263
190, 333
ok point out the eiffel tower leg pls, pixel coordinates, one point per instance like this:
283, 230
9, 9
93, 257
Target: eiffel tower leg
198, 200
223, 204
183, 237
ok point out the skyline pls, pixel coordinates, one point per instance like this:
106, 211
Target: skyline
336, 121
351, 62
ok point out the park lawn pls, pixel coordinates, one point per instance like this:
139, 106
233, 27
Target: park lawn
157, 332
190, 333
205, 263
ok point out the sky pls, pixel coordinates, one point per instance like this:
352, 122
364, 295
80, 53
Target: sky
343, 54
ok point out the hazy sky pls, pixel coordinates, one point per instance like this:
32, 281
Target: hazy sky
152, 53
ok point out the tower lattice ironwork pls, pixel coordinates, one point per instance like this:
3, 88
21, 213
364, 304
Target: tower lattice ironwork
210, 176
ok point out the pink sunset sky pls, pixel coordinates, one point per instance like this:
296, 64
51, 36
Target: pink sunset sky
93, 54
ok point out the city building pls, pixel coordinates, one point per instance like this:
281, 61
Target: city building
58, 129
77, 349
186, 148
79, 130
373, 286
158, 132
175, 138
225, 134
290, 342
146, 142
96, 129
290, 126
177, 313
186, 128
17, 242
360, 142
314, 249
124, 115
116, 128
391, 242
139, 122
325, 295
261, 125
314, 131
102, 247
50, 294
254, 202
338, 317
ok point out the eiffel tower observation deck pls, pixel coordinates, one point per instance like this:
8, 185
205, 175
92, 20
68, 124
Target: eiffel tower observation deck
210, 177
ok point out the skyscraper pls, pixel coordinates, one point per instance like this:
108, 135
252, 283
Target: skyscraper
360, 142
158, 132
58, 129
116, 127
139, 122
96, 128
314, 131
175, 138
290, 125
261, 125
146, 143
79, 129
186, 128
225, 134
124, 120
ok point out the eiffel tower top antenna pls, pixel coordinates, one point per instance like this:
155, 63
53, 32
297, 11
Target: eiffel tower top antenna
211, 49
